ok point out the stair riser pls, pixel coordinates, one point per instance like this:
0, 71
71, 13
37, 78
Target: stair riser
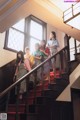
20, 109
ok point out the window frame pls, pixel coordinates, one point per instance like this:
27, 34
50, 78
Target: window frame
37, 20
7, 36
75, 48
26, 32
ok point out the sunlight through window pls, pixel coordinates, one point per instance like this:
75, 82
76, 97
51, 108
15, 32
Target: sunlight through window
36, 30
36, 34
15, 40
16, 35
19, 25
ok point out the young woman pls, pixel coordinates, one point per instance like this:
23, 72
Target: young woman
37, 54
20, 72
29, 57
38, 58
53, 43
46, 53
29, 62
53, 46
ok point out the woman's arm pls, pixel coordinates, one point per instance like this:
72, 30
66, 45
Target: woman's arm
55, 44
43, 51
27, 64
37, 57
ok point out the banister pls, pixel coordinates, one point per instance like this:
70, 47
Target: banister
22, 78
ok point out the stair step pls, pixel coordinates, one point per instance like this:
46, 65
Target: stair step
30, 116
37, 94
22, 116
12, 107
44, 99
50, 93
32, 108
13, 113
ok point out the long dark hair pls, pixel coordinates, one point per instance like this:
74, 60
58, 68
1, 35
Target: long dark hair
20, 59
54, 34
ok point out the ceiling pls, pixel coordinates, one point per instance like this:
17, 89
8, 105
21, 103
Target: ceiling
8, 6
50, 11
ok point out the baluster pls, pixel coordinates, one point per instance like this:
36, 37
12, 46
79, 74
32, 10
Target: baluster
66, 61
27, 91
42, 77
61, 60
7, 101
17, 101
65, 65
35, 82
54, 66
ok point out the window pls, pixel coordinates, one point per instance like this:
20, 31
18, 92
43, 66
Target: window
36, 34
36, 30
26, 32
15, 37
78, 46
15, 40
72, 49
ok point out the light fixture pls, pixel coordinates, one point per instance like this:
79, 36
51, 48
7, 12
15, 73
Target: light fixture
72, 16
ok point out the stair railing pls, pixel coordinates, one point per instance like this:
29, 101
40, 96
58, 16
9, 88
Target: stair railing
62, 63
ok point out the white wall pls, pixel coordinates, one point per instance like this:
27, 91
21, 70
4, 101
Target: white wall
66, 94
5, 55
59, 35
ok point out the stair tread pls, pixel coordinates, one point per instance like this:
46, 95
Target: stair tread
15, 104
15, 112
22, 113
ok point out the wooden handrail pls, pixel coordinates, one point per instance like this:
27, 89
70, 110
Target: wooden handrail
22, 78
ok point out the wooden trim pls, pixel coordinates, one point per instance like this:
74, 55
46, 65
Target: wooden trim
8, 6
7, 64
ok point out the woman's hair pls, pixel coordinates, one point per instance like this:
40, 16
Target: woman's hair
37, 44
27, 48
54, 34
44, 41
20, 59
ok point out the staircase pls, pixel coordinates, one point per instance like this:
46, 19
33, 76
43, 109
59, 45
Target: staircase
40, 102
41, 108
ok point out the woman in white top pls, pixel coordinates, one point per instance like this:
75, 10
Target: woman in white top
53, 45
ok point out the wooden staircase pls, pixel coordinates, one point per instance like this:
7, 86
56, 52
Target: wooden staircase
40, 102
41, 108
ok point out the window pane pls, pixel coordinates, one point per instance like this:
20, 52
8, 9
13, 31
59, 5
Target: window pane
78, 46
20, 25
72, 49
36, 30
71, 43
72, 56
15, 40
32, 44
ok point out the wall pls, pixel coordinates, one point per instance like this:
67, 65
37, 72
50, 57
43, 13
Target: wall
5, 55
59, 35
66, 94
